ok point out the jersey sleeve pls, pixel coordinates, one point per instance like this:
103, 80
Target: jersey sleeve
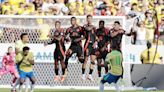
31, 56
18, 58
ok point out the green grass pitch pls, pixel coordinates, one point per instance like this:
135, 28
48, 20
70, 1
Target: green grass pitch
71, 90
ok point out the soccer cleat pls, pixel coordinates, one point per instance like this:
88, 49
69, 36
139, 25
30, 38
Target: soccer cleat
57, 78
90, 78
83, 77
63, 78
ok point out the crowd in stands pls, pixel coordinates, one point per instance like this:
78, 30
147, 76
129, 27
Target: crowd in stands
144, 18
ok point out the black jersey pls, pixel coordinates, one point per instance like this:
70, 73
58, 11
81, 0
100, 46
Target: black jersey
74, 33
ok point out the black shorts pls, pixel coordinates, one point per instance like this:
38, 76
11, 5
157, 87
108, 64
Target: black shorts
102, 54
91, 50
58, 54
76, 49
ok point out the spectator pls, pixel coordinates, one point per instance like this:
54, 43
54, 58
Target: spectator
130, 22
6, 6
7, 12
89, 8
40, 12
161, 15
161, 29
37, 4
140, 34
20, 9
15, 3
26, 10
127, 7
147, 56
121, 12
103, 12
159, 7
47, 4
134, 8
108, 11
150, 25
115, 7
59, 5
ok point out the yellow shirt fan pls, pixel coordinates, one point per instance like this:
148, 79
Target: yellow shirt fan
44, 31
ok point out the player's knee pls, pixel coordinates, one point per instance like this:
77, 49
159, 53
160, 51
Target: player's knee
68, 53
62, 64
92, 62
17, 76
22, 81
56, 63
81, 60
33, 80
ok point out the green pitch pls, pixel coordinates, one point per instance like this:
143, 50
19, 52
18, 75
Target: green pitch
54, 90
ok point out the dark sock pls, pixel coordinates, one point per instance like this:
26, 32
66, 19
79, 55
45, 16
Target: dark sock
99, 71
83, 70
56, 71
90, 71
66, 62
63, 71
106, 70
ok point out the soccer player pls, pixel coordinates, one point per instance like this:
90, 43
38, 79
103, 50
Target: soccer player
102, 34
116, 34
25, 61
114, 61
75, 35
89, 47
59, 52
21, 43
8, 65
19, 48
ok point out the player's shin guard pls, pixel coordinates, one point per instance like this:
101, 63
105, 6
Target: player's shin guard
32, 87
101, 88
83, 65
16, 84
20, 88
26, 84
91, 67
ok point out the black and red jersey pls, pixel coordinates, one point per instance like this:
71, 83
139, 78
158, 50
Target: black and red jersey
103, 36
74, 33
89, 33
